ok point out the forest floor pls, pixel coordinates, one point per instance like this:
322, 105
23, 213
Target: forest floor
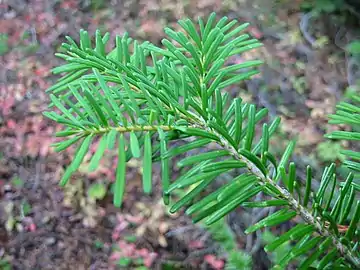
43, 226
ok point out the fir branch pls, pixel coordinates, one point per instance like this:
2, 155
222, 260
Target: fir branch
181, 96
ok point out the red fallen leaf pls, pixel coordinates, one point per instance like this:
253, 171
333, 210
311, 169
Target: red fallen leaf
126, 249
149, 260
6, 106
11, 124
215, 263
115, 236
255, 32
68, 4
32, 227
143, 252
115, 256
29, 224
129, 251
196, 244
134, 219
28, 17
122, 244
42, 71
48, 17
44, 148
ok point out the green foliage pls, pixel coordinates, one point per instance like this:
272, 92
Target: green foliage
120, 98
5, 264
354, 47
329, 151
25, 208
236, 258
327, 6
222, 233
124, 261
279, 252
130, 238
348, 113
98, 244
4, 47
17, 182
97, 191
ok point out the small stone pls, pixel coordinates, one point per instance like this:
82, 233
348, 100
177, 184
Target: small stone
46, 219
7, 188
19, 227
50, 241
61, 245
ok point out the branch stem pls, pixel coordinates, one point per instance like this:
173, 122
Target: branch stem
286, 195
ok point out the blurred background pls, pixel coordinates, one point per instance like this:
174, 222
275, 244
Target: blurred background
312, 60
